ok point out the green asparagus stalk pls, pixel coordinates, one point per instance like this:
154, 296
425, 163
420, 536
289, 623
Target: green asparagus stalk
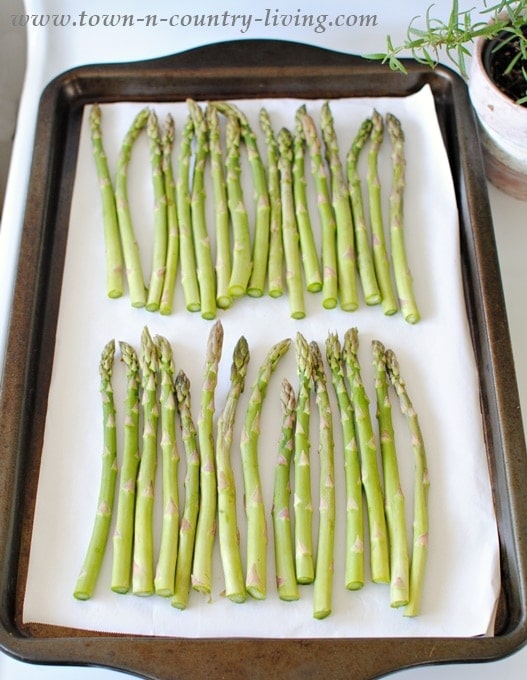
256, 285
166, 563
323, 585
206, 527
124, 522
256, 577
393, 494
421, 489
159, 257
241, 257
286, 582
303, 218
365, 265
91, 566
289, 228
354, 564
132, 260
205, 268
167, 295
402, 274
187, 530
347, 278
380, 254
227, 521
327, 218
143, 568
276, 254
112, 241
303, 505
189, 277
379, 556
221, 211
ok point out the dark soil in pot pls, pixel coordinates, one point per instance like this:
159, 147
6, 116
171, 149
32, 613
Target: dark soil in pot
497, 56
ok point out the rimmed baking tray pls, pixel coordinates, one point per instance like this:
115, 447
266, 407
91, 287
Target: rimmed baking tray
247, 69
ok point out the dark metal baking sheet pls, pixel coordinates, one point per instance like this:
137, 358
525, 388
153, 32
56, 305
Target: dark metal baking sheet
234, 70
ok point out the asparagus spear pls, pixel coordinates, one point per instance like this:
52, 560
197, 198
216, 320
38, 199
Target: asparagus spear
159, 257
132, 260
124, 522
379, 557
227, 521
143, 567
189, 278
354, 565
167, 295
114, 257
303, 506
347, 279
275, 227
205, 269
327, 218
91, 566
256, 577
365, 265
323, 585
305, 230
166, 563
187, 530
402, 274
289, 228
394, 497
256, 285
421, 488
241, 257
206, 527
380, 254
222, 224
283, 545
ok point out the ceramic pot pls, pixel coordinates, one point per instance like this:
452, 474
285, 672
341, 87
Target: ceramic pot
503, 128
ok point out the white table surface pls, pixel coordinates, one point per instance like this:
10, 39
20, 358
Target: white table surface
51, 51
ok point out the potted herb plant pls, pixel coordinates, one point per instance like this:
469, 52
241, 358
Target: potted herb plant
489, 48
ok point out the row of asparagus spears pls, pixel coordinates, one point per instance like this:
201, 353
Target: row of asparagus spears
278, 251
184, 561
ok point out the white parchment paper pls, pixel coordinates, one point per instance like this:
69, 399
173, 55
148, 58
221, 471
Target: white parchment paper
436, 359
